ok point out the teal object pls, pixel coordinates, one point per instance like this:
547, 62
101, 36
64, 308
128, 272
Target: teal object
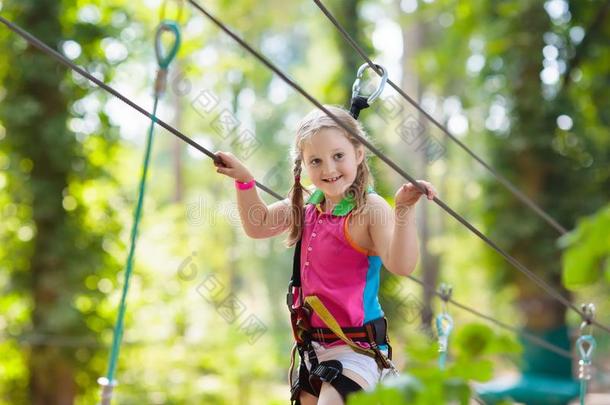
584, 372
137, 216
532, 389
546, 377
444, 326
164, 60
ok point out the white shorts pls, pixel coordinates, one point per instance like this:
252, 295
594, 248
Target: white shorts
365, 366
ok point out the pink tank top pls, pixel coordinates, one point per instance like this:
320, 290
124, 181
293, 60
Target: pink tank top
333, 268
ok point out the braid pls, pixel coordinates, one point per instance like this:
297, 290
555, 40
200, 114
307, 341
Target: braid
357, 191
296, 211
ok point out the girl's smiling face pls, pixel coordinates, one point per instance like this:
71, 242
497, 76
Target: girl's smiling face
331, 162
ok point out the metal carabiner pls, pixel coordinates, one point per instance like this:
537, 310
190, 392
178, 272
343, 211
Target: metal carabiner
378, 91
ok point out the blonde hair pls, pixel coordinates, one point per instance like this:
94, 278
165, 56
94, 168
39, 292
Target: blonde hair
311, 124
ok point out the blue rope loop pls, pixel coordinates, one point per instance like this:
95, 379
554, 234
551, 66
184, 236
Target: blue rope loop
444, 326
586, 345
586, 352
165, 57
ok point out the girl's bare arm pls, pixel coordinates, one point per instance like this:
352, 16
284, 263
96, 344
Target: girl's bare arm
394, 236
393, 232
258, 220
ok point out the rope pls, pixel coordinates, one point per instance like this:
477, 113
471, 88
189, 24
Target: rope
505, 182
137, 216
164, 59
509, 258
538, 341
34, 41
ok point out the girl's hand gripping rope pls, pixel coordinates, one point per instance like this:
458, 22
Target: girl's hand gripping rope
226, 163
408, 194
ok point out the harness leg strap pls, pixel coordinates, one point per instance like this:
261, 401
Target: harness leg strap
301, 384
331, 372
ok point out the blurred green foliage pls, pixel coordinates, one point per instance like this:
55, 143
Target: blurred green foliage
472, 350
70, 158
586, 259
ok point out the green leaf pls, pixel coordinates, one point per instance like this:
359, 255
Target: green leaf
580, 268
473, 340
587, 248
456, 389
479, 370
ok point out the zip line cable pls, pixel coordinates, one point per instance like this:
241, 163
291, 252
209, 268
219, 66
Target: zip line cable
541, 342
68, 63
503, 180
34, 41
510, 259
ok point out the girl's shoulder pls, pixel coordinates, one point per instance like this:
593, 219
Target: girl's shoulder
375, 209
372, 198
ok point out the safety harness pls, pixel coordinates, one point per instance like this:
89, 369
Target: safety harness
374, 333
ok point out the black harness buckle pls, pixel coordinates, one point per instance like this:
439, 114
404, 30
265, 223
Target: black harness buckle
290, 298
327, 371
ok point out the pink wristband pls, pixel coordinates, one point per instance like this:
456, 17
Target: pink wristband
240, 185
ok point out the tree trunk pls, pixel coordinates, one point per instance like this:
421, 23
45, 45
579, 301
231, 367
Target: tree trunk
530, 168
411, 43
524, 156
346, 12
35, 116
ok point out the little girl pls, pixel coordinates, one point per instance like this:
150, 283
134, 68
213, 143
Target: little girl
342, 232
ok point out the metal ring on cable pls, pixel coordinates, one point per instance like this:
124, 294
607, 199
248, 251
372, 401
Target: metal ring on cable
164, 59
589, 314
378, 91
445, 291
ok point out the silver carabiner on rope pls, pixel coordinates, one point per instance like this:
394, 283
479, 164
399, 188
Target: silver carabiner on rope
378, 91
